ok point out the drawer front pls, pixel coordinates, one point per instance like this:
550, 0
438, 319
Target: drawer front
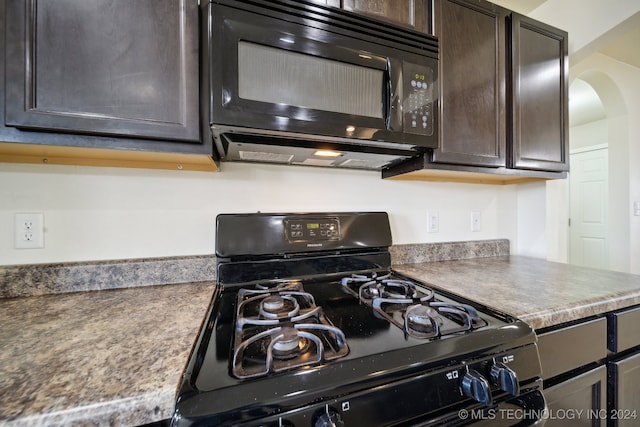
624, 329
569, 348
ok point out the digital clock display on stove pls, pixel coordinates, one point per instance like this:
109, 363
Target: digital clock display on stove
312, 230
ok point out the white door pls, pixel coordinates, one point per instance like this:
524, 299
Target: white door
588, 181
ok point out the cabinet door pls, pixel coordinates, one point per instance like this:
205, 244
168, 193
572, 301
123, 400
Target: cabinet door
472, 83
579, 401
414, 14
104, 67
625, 382
540, 126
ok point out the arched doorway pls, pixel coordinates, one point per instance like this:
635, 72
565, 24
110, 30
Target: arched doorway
588, 181
599, 178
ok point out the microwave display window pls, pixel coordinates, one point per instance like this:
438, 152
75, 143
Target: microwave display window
279, 76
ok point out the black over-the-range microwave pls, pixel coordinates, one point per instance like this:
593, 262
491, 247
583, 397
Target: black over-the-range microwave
295, 82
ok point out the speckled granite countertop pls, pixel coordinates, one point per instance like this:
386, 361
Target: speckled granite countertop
539, 292
111, 357
114, 357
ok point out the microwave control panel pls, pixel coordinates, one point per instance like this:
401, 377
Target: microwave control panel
417, 106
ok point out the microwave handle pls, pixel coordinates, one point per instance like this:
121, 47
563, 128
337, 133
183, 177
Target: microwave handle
393, 98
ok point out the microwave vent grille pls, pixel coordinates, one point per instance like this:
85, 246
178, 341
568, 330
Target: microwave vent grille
363, 164
261, 156
318, 162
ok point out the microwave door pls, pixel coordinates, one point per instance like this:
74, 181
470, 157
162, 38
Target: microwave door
308, 83
283, 76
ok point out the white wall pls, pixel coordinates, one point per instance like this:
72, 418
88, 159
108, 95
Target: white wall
557, 220
531, 235
589, 134
588, 22
109, 213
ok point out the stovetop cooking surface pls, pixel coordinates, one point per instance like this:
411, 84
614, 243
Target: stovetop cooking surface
368, 336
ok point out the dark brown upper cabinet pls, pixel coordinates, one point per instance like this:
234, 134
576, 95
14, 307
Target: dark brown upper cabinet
472, 83
415, 14
503, 97
115, 68
539, 80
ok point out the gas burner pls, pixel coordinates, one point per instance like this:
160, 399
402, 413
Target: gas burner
269, 307
280, 328
373, 287
284, 348
278, 307
411, 306
422, 321
273, 304
289, 344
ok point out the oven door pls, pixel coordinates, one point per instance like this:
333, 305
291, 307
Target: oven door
526, 410
284, 74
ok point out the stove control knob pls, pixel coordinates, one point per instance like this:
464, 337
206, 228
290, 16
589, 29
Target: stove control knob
504, 378
329, 419
476, 387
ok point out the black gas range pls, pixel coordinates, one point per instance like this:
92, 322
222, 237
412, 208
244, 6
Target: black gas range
310, 326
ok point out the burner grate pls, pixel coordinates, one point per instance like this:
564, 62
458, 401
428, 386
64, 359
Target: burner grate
281, 328
411, 307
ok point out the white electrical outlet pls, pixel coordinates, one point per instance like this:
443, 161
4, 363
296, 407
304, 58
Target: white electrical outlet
29, 231
476, 221
433, 221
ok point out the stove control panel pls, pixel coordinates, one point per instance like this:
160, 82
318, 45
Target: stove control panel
489, 380
312, 229
478, 386
260, 234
